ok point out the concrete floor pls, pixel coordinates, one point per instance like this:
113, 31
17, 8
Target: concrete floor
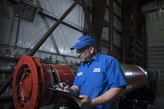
159, 104
48, 107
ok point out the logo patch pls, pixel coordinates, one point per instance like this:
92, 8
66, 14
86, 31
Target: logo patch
80, 73
96, 69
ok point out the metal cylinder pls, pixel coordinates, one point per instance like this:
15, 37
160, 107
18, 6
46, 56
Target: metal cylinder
63, 73
32, 80
136, 77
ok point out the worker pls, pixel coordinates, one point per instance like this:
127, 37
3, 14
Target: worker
99, 81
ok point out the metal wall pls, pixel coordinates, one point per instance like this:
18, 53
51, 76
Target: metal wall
156, 62
155, 32
17, 33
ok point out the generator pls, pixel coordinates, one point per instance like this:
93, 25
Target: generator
32, 81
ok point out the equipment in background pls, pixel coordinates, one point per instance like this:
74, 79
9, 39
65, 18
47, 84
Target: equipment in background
32, 81
140, 92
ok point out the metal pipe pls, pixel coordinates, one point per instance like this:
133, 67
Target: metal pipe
135, 76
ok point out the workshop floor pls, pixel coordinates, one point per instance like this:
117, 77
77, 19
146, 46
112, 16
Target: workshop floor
159, 104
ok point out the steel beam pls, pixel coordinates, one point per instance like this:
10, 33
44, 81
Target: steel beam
98, 14
47, 34
64, 23
87, 16
111, 25
126, 28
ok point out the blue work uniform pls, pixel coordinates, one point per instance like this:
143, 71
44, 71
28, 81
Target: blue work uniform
94, 78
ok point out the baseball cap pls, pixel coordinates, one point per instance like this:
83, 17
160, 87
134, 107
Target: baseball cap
84, 41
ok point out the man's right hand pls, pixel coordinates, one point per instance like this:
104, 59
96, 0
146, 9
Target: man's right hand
65, 86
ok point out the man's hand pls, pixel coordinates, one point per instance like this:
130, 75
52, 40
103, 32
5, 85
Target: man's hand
64, 85
73, 90
83, 101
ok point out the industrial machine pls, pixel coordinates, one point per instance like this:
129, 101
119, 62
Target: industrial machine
140, 92
32, 80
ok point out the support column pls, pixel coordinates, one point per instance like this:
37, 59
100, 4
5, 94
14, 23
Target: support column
98, 13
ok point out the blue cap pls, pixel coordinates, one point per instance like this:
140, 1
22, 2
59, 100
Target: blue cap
84, 41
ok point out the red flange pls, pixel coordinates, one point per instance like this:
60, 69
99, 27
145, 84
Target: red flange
32, 80
27, 85
64, 74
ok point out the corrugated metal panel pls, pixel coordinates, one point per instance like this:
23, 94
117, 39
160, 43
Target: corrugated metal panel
156, 62
24, 34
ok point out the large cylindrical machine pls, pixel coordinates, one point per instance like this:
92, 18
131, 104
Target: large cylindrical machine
32, 80
136, 77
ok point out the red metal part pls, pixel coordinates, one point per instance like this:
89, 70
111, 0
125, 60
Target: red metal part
49, 82
32, 80
63, 75
27, 85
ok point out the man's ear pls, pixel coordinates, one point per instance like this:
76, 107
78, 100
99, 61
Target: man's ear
91, 49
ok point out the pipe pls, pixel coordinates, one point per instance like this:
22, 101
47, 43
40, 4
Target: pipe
136, 77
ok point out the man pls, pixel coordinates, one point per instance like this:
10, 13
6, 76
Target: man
99, 81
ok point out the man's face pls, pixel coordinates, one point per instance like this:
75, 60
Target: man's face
85, 53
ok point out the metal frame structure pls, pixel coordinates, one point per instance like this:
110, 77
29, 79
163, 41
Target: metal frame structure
95, 29
48, 33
